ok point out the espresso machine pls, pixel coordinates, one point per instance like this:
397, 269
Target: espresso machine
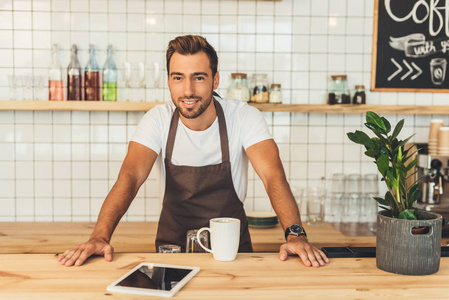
433, 175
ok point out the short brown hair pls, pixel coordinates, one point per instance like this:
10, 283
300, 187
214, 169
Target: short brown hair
192, 44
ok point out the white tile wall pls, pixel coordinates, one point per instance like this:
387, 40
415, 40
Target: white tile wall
59, 166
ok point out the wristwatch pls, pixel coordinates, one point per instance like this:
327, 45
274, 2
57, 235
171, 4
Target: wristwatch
295, 229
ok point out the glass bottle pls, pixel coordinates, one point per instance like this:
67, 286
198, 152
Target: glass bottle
74, 77
339, 90
92, 77
359, 96
275, 93
238, 87
55, 86
110, 78
260, 88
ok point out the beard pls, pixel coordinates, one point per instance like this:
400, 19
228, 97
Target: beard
192, 113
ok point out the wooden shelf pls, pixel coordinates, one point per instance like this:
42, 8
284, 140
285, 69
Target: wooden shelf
304, 108
78, 105
354, 109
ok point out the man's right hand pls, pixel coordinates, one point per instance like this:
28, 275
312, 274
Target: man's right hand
78, 255
133, 173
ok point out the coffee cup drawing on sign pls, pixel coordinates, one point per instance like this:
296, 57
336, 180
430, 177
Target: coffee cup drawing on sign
438, 70
224, 238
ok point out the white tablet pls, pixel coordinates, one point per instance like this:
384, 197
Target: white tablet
154, 279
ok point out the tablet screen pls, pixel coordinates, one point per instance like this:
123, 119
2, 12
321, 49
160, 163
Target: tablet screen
156, 278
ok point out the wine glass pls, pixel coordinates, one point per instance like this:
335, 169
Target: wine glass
27, 84
38, 85
19, 84
137, 80
127, 77
12, 82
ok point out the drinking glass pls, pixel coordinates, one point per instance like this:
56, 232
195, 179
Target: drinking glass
27, 84
334, 207
19, 84
38, 85
315, 206
127, 78
137, 81
298, 193
335, 199
338, 183
353, 198
370, 190
141, 68
12, 82
156, 82
169, 249
192, 245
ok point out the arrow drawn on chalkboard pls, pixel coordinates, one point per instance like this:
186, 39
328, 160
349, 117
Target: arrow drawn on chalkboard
397, 71
410, 70
417, 74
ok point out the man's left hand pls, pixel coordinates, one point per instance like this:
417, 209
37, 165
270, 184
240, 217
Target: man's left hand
310, 255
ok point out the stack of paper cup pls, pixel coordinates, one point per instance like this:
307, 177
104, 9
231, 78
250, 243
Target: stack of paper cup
435, 125
443, 141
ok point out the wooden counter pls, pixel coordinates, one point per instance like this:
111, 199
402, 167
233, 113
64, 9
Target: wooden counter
140, 236
250, 276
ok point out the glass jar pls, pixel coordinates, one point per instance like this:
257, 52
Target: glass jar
275, 93
238, 87
169, 249
359, 96
260, 88
339, 90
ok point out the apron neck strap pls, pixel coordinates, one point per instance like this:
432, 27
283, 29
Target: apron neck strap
221, 125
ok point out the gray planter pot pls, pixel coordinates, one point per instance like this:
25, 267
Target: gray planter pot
401, 252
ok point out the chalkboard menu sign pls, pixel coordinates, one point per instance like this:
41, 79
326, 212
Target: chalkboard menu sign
410, 46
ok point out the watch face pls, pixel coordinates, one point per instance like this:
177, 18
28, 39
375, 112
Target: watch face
296, 229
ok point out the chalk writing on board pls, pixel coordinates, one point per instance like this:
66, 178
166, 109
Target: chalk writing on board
433, 16
411, 45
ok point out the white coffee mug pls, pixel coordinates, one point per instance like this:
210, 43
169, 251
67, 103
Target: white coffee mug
224, 237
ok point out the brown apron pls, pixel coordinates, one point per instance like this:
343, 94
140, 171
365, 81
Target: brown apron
194, 195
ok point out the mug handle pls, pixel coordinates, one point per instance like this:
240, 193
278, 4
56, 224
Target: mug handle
199, 239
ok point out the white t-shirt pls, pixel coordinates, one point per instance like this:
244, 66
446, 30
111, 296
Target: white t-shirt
246, 126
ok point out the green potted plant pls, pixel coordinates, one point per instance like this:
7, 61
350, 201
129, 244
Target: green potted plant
399, 249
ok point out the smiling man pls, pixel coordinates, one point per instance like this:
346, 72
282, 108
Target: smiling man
192, 90
203, 144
